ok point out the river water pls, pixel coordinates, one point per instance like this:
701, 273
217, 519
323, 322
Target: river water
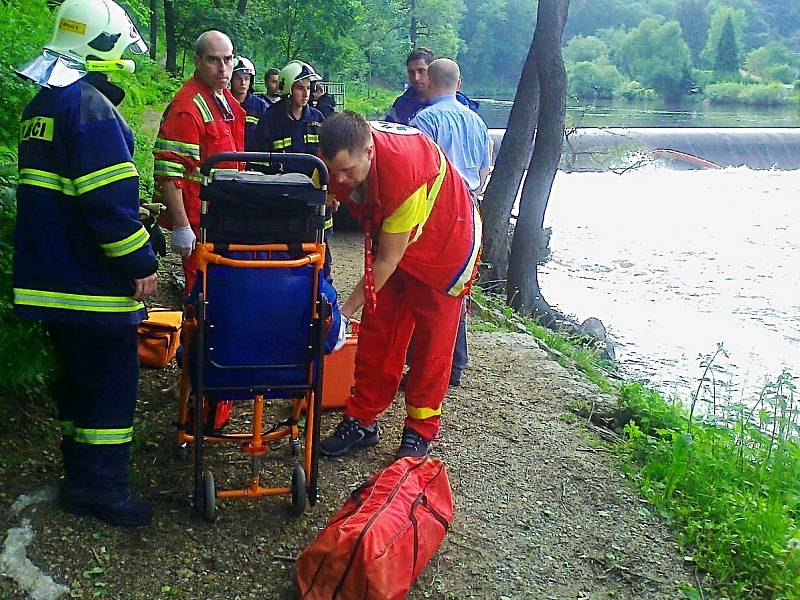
673, 262
626, 114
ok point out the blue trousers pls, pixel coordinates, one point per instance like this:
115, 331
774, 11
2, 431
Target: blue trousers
96, 395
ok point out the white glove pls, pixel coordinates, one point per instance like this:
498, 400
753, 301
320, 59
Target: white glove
184, 240
342, 337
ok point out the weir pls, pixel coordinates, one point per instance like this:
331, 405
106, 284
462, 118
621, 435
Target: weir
598, 149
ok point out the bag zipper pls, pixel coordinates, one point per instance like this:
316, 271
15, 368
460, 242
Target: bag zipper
369, 523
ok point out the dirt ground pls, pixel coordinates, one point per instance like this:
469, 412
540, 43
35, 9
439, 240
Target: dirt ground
542, 510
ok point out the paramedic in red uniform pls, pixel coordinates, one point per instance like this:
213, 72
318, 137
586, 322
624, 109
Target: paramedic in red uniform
203, 119
423, 239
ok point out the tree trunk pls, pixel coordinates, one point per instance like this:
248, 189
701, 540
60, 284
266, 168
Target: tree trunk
523, 291
172, 39
241, 7
153, 28
513, 157
413, 27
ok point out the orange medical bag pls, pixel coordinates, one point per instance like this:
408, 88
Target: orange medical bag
159, 337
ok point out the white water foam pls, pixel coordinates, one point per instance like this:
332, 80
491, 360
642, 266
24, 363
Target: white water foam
14, 562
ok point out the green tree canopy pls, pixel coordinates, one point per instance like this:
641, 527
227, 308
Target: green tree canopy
591, 81
656, 56
585, 48
692, 16
726, 57
718, 20
762, 62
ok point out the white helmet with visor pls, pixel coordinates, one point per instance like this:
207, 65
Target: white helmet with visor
89, 35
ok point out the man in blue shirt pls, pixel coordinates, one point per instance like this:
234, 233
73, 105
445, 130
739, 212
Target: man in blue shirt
415, 98
458, 131
463, 137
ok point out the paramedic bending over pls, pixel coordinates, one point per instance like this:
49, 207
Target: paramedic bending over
426, 232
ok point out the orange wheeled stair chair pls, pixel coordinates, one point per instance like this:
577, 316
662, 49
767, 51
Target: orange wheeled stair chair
255, 327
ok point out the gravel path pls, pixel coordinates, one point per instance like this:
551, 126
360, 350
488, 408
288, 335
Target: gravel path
542, 510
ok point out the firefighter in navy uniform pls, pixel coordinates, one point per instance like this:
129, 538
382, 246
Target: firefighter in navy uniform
292, 125
82, 259
244, 73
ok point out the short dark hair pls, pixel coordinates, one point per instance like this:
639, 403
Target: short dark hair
421, 53
270, 73
346, 130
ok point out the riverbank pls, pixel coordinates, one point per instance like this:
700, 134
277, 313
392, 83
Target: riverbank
542, 509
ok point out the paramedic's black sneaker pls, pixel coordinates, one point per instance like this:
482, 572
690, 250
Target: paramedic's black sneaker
412, 444
122, 511
348, 435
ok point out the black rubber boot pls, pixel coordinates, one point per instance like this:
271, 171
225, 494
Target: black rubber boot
102, 489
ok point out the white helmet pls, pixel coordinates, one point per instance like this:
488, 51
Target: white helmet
244, 66
293, 72
98, 28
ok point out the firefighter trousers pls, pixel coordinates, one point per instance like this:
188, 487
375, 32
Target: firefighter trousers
96, 395
405, 305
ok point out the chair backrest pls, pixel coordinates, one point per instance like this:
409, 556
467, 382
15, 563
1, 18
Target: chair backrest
254, 208
258, 328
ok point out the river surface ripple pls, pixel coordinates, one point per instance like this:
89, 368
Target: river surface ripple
673, 262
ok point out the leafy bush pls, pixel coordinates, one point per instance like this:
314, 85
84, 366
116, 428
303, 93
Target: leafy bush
781, 73
592, 80
370, 101
724, 93
25, 27
764, 94
633, 91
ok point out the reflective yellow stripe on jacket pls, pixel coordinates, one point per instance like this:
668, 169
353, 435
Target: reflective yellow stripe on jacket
81, 185
175, 147
104, 304
127, 245
202, 106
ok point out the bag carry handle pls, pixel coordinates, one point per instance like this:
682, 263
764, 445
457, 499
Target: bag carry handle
358, 493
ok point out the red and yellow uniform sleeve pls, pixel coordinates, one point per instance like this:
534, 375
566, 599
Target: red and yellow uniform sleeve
177, 149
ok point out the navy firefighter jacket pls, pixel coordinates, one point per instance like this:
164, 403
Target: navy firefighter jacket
278, 131
255, 107
79, 243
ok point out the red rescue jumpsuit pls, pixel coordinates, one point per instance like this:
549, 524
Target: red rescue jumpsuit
195, 126
424, 294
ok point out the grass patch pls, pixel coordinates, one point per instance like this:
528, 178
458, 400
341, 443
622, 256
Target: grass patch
723, 471
568, 351
371, 101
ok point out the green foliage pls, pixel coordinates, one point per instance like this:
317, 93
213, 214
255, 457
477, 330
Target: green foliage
585, 49
726, 54
496, 36
34, 19
692, 16
371, 101
592, 80
722, 17
757, 94
633, 91
26, 359
730, 482
773, 62
570, 351
656, 56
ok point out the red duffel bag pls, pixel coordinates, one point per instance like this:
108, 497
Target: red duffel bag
381, 540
